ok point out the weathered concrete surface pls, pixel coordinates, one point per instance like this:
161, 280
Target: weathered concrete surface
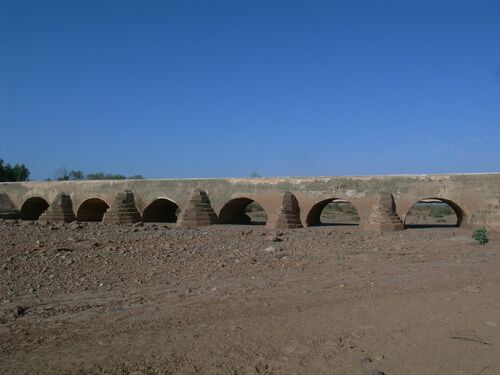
475, 197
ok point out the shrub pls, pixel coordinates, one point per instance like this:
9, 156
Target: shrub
437, 212
481, 236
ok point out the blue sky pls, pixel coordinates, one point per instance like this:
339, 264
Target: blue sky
224, 88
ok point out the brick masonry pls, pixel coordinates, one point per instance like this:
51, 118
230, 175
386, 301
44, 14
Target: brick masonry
61, 209
198, 211
122, 210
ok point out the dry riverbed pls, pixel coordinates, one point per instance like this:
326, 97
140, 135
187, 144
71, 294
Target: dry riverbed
155, 299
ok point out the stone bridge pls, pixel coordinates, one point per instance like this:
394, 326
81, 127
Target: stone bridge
382, 202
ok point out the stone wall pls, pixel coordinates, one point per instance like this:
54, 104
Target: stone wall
474, 197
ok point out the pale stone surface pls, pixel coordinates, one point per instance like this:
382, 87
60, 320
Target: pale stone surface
288, 216
122, 210
383, 215
474, 196
61, 209
198, 211
7, 208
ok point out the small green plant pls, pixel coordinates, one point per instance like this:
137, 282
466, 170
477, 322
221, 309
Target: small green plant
437, 212
481, 236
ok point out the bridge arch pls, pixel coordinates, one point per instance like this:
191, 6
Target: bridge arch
243, 210
32, 208
161, 210
92, 209
434, 212
333, 211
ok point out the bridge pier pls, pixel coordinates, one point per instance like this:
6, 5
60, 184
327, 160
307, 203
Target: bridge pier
383, 216
122, 210
198, 211
288, 215
8, 209
61, 209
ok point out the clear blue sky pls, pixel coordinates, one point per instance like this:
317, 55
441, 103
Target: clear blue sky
224, 88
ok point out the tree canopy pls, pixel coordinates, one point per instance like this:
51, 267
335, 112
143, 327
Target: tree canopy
63, 174
17, 172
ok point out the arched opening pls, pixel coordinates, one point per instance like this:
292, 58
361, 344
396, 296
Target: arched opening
333, 211
434, 213
33, 208
243, 211
161, 210
92, 210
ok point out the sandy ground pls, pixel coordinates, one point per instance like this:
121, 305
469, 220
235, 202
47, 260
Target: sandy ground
154, 299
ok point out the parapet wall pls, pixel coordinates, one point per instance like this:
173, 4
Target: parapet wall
474, 197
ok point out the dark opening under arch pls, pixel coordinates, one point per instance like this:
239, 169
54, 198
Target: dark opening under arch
434, 213
161, 210
242, 211
92, 209
333, 211
33, 208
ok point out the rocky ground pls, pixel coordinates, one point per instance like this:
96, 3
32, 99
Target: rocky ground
155, 299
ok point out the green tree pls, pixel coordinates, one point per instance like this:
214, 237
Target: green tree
76, 175
105, 176
18, 172
3, 172
62, 174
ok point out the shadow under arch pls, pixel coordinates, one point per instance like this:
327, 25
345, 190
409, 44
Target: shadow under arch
161, 210
92, 209
332, 211
434, 212
32, 208
243, 211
